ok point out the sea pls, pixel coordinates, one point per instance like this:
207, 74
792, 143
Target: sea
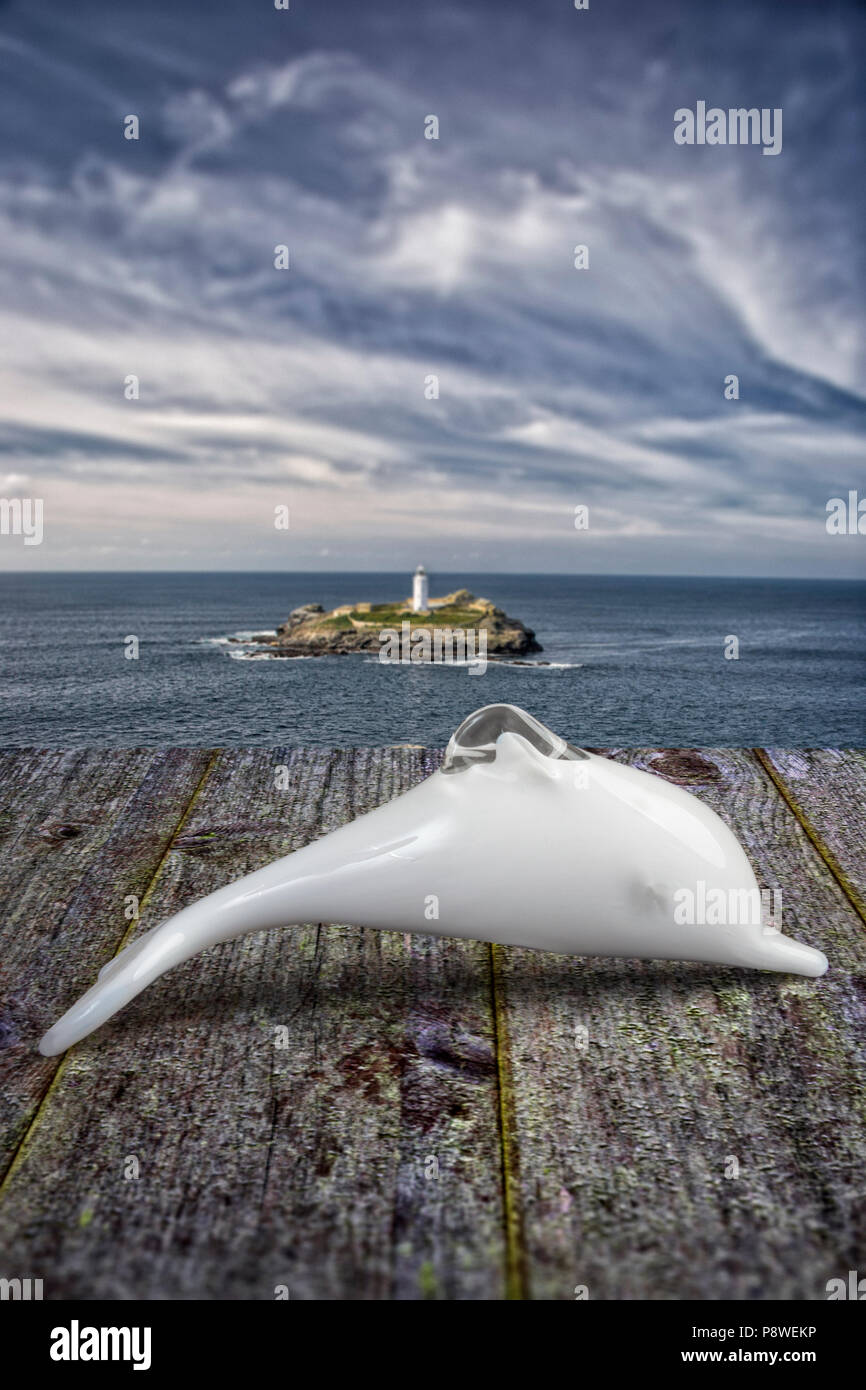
626, 662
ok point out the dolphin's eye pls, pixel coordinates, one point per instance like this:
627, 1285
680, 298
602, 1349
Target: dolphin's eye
475, 740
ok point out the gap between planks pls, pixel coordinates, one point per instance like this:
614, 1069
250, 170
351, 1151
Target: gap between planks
19, 1152
516, 1282
811, 833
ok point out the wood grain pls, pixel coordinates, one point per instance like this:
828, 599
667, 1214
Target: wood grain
826, 790
79, 834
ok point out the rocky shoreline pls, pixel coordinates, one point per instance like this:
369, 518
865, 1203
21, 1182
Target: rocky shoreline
312, 631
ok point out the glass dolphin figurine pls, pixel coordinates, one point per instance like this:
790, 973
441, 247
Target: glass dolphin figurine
519, 838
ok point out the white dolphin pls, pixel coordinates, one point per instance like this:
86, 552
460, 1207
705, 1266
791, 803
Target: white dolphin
519, 838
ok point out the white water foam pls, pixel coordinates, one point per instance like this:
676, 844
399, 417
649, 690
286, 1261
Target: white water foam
245, 654
245, 638
491, 661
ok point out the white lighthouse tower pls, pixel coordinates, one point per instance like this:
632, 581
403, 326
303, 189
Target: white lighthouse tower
420, 591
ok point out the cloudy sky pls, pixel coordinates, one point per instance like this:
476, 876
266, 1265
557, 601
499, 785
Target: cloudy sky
412, 257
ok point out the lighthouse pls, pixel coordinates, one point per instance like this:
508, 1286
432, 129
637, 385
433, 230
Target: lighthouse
420, 591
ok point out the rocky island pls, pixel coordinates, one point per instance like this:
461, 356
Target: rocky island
359, 627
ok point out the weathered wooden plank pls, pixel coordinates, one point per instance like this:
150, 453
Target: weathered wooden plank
826, 790
79, 833
633, 1087
359, 1160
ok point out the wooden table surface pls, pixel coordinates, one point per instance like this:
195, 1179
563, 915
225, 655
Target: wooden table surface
339, 1113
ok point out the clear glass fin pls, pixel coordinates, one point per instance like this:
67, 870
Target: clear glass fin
475, 740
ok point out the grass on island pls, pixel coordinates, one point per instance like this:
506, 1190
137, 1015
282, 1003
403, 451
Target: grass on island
388, 615
338, 624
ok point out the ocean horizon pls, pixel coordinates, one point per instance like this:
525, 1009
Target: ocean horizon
627, 660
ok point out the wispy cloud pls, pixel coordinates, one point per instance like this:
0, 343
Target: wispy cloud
410, 258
